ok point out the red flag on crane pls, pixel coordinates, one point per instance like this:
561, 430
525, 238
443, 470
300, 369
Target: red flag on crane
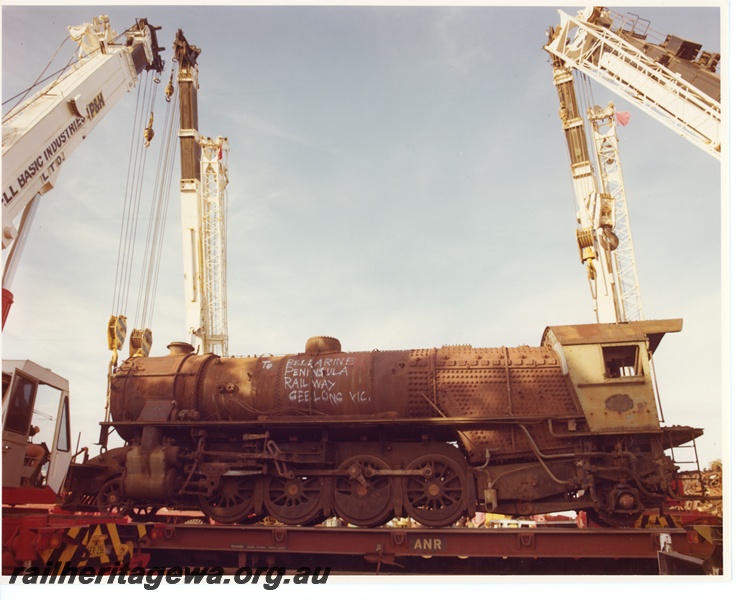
220, 152
622, 118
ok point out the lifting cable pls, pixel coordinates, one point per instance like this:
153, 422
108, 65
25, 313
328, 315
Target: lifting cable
142, 134
585, 91
159, 210
131, 206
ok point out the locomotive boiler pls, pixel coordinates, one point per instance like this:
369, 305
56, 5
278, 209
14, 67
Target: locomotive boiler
432, 434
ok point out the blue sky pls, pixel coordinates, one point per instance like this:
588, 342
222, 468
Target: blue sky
398, 179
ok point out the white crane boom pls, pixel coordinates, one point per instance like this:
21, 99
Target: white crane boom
673, 82
41, 133
204, 177
214, 233
596, 207
606, 146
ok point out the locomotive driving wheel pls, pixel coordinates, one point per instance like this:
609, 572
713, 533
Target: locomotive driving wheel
232, 500
110, 498
361, 497
437, 497
294, 501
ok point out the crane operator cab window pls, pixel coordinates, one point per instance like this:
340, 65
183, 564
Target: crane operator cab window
622, 361
20, 405
19, 400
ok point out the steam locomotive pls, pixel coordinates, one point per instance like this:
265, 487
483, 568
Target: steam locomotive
432, 434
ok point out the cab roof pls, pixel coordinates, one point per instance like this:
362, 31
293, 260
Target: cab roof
604, 333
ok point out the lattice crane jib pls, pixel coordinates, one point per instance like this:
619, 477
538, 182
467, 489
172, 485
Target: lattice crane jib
214, 180
674, 81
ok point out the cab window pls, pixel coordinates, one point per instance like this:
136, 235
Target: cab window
21, 405
622, 361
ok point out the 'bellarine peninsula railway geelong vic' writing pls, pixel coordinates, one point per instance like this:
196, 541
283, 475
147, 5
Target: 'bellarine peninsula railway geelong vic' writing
312, 380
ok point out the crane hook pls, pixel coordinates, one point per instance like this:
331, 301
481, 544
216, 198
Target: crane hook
149, 133
609, 239
170, 88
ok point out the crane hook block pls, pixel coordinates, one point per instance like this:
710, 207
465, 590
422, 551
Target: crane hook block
116, 332
170, 88
141, 341
149, 133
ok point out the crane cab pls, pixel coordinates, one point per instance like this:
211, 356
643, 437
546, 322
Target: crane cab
35, 401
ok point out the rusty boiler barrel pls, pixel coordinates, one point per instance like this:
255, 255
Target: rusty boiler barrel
317, 382
455, 381
335, 384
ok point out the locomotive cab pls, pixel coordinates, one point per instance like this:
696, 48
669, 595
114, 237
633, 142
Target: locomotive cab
609, 367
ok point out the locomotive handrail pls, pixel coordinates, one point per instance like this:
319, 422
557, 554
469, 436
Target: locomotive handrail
339, 421
572, 434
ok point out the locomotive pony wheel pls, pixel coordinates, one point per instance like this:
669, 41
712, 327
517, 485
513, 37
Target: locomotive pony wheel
437, 498
361, 497
295, 501
232, 501
607, 519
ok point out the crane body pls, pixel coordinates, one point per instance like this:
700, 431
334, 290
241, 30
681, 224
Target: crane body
41, 134
38, 136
